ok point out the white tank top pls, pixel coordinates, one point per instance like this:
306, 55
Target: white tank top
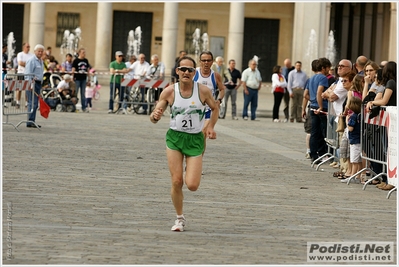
187, 114
209, 81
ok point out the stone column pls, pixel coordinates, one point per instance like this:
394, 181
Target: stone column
36, 24
392, 53
235, 41
310, 18
169, 35
103, 36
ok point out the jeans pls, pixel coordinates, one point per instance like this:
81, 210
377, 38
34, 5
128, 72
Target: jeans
318, 146
277, 102
252, 98
88, 102
33, 102
233, 94
82, 85
112, 95
142, 92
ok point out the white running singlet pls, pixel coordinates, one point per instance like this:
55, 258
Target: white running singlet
187, 114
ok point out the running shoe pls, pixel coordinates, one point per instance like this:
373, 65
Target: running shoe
179, 225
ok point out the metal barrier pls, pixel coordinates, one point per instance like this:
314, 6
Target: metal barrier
374, 142
139, 93
16, 84
331, 138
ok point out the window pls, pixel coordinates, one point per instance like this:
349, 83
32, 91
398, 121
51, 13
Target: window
66, 22
193, 43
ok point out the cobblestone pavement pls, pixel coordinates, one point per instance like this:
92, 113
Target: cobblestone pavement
94, 188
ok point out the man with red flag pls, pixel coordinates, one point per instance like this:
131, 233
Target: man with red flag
34, 66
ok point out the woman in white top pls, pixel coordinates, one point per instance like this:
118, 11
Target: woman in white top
278, 89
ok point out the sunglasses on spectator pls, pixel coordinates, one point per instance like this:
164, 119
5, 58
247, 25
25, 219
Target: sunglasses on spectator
344, 81
184, 69
343, 66
206, 60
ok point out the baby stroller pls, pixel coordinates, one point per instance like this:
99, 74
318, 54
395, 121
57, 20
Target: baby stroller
58, 101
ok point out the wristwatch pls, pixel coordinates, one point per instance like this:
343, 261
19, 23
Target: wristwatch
220, 100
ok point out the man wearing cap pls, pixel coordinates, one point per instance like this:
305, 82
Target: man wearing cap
117, 68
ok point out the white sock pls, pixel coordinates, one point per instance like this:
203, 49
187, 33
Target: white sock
180, 216
308, 150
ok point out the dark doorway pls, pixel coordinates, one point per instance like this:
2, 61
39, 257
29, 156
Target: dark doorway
124, 22
360, 29
13, 21
261, 39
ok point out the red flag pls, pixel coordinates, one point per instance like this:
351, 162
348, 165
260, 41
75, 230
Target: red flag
44, 108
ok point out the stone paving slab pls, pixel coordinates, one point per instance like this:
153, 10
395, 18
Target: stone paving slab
94, 188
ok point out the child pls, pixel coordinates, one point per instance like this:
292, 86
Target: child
89, 94
353, 121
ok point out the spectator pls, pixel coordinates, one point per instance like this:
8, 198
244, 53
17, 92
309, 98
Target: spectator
231, 89
140, 68
156, 71
295, 86
286, 70
66, 66
252, 82
89, 94
278, 89
80, 69
65, 90
22, 58
116, 67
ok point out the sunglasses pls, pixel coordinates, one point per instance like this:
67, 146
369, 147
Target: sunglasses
344, 81
206, 60
184, 69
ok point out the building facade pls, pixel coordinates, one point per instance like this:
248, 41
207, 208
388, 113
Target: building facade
239, 30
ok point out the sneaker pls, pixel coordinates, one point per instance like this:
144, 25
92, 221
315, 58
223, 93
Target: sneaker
17, 105
110, 111
235, 118
141, 110
355, 180
333, 164
307, 155
276, 120
179, 225
245, 118
345, 180
124, 111
202, 172
285, 120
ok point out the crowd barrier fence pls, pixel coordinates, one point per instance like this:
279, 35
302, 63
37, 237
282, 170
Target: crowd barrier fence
13, 85
379, 145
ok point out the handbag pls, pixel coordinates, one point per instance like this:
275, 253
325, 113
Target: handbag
375, 111
341, 124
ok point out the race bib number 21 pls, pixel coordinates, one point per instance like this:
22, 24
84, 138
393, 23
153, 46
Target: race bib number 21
187, 122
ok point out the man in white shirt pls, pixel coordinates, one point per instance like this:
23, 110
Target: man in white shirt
337, 93
22, 58
140, 68
128, 64
156, 71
